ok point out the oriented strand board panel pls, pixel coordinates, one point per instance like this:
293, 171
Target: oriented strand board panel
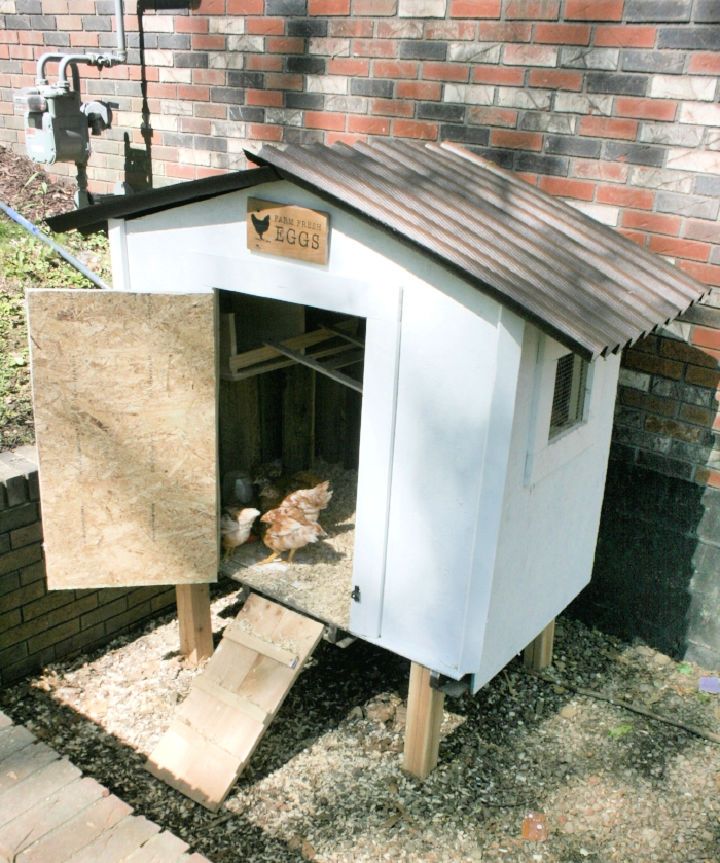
124, 389
232, 702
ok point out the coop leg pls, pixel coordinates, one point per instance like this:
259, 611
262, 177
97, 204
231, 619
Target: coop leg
193, 605
538, 654
424, 717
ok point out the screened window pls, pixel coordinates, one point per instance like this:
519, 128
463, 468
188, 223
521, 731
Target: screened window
569, 394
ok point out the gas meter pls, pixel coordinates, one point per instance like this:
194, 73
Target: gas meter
56, 123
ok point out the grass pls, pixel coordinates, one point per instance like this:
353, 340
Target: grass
25, 263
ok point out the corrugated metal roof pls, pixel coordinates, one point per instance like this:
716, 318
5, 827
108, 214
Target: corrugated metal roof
583, 282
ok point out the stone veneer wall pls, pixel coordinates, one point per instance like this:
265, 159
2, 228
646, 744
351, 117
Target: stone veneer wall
38, 626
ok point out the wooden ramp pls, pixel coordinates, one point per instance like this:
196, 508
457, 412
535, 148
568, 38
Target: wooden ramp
51, 813
233, 700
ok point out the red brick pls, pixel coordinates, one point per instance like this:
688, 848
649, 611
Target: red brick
278, 81
324, 120
368, 125
680, 248
373, 48
567, 188
516, 140
415, 129
211, 7
530, 55
529, 178
625, 35
556, 79
705, 337
208, 172
636, 237
392, 107
704, 63
190, 24
196, 125
208, 76
284, 45
328, 7
424, 90
606, 127
395, 69
700, 229
657, 223
193, 92
458, 30
626, 196
489, 116
501, 31
646, 109
208, 42
265, 132
84, 40
446, 72
268, 98
356, 28
498, 75
357, 68
245, 7
707, 273
161, 91
374, 8
594, 10
475, 8
563, 34
264, 62
182, 172
535, 10
264, 27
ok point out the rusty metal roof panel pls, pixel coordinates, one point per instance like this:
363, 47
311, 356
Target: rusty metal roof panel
584, 283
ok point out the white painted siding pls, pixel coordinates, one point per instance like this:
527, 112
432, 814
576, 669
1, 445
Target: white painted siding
549, 526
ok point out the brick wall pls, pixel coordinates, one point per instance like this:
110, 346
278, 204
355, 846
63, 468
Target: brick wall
37, 626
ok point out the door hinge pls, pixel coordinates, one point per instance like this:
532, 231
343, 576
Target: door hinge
355, 595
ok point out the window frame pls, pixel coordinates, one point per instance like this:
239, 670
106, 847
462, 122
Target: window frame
546, 453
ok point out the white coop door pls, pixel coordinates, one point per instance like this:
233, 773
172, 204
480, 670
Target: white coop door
124, 389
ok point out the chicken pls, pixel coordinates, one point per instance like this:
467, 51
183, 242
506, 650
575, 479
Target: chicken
309, 500
261, 225
235, 527
288, 529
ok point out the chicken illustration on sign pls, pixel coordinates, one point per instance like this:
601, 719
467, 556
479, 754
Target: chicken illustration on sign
287, 231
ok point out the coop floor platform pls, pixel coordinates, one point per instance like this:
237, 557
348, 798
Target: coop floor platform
49, 811
319, 581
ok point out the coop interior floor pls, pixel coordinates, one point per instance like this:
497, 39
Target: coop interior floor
319, 580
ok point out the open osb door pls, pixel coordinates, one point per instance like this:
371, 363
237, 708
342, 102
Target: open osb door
124, 390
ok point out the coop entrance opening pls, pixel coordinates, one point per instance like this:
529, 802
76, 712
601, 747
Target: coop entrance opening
290, 405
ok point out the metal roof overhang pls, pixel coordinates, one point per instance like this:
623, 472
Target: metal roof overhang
578, 280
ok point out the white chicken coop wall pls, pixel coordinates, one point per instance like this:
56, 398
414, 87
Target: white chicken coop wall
458, 591
551, 506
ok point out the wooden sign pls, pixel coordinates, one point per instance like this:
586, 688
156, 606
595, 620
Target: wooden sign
287, 231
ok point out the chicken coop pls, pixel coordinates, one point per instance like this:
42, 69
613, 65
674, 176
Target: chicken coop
434, 336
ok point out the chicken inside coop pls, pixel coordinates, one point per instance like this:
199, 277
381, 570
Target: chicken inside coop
289, 429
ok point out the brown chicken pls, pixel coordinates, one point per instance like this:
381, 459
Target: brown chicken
309, 500
235, 527
288, 529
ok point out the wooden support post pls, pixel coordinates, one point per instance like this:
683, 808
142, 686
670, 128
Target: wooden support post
424, 717
538, 654
193, 606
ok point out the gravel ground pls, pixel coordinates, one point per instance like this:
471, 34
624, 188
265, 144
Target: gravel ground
326, 782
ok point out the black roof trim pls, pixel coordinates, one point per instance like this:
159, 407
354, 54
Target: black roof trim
164, 198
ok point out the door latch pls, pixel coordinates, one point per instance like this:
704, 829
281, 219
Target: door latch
355, 595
